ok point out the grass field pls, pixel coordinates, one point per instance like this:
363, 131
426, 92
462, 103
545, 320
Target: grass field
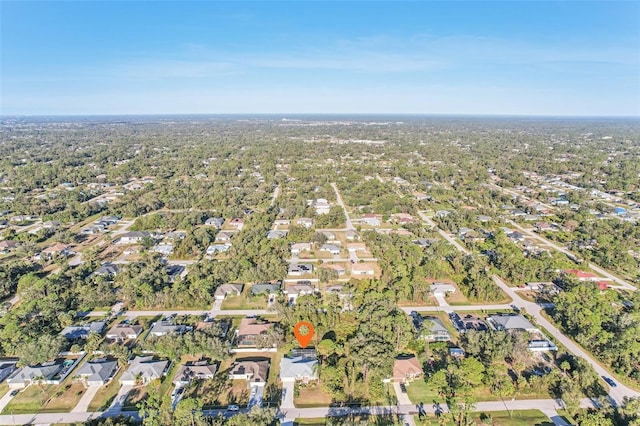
46, 398
243, 302
312, 396
419, 391
498, 418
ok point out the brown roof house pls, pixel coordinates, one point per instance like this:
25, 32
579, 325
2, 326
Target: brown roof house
254, 371
251, 330
406, 369
121, 332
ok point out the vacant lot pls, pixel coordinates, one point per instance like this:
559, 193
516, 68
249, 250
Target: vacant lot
312, 396
46, 398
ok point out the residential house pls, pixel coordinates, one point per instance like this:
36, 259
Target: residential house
441, 289
160, 328
584, 276
57, 249
297, 248
293, 291
132, 237
224, 236
163, 249
483, 218
331, 248
456, 352
52, 225
305, 221
544, 226
198, 370
143, 369
7, 245
121, 332
406, 369
364, 268
322, 206
298, 368
237, 222
213, 249
331, 236
254, 371
433, 330
442, 213
81, 332
250, 330
44, 372
281, 222
216, 222
356, 247
511, 322
372, 219
97, 372
107, 269
403, 218
276, 234
228, 289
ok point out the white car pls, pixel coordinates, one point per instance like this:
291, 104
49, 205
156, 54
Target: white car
233, 408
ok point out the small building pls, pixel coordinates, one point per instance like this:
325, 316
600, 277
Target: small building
224, 290
293, 291
224, 236
406, 369
356, 247
456, 352
163, 249
143, 370
57, 249
442, 289
256, 372
584, 276
237, 223
97, 372
352, 235
433, 330
107, 269
7, 245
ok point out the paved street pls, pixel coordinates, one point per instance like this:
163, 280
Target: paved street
346, 213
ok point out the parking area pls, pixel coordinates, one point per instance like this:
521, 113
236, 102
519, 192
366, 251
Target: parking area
255, 398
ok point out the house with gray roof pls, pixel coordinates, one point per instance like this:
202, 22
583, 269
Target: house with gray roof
132, 237
216, 222
97, 372
276, 234
298, 368
107, 269
7, 366
143, 369
160, 328
44, 372
77, 332
433, 330
511, 322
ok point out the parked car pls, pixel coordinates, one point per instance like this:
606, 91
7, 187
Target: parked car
233, 408
609, 381
403, 388
14, 392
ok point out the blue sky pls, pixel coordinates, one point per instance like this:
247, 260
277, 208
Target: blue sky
123, 57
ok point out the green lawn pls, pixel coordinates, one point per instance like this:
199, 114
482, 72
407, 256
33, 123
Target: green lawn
46, 398
497, 418
419, 391
243, 302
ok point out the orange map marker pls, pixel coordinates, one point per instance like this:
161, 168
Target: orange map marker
304, 332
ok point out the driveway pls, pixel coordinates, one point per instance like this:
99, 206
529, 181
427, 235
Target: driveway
257, 392
118, 401
403, 398
4, 401
83, 404
287, 395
